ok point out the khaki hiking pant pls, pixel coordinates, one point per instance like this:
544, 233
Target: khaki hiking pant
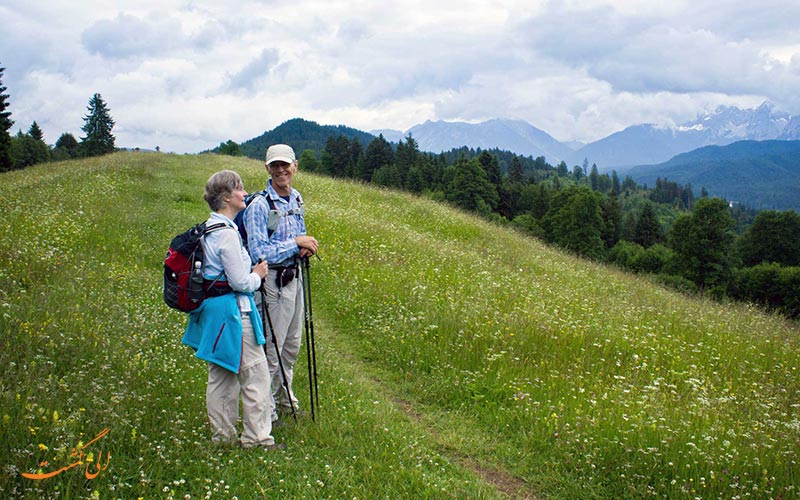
287, 314
253, 383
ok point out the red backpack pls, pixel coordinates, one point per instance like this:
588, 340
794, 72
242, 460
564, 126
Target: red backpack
184, 289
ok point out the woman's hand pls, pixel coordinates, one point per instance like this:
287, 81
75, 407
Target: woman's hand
261, 269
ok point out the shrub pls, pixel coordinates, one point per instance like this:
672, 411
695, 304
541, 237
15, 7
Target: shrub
772, 285
624, 253
653, 259
676, 282
529, 224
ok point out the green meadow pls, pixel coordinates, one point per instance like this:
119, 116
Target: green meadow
456, 358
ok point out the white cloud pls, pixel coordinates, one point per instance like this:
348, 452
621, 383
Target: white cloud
186, 75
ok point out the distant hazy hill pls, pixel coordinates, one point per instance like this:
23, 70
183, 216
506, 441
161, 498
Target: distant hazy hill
301, 135
636, 145
510, 135
389, 134
760, 174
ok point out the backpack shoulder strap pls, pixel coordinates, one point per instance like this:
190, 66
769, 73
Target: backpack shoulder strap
214, 227
270, 203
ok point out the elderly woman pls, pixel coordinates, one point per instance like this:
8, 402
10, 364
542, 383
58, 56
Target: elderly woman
226, 330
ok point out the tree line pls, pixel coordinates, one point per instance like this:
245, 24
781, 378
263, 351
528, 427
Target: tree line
29, 148
703, 245
695, 244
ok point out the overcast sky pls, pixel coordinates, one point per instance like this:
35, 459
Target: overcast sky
187, 75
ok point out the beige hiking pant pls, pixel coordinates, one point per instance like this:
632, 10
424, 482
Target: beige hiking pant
253, 383
287, 313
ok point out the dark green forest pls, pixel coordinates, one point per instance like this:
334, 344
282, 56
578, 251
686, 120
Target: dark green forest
696, 244
759, 174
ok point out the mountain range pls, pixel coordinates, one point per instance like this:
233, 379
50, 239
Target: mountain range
737, 154
635, 145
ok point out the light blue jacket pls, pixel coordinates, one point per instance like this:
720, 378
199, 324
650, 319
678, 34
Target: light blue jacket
214, 330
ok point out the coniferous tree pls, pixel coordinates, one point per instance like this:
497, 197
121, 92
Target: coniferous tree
628, 229
66, 147
615, 184
648, 230
515, 172
491, 165
356, 157
230, 148
336, 156
629, 184
575, 222
612, 220
378, 154
97, 126
405, 157
470, 189
6, 159
594, 178
36, 132
40, 151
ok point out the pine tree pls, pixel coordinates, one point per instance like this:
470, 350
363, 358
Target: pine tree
594, 178
230, 148
470, 188
36, 132
648, 230
6, 160
97, 125
379, 153
39, 150
615, 184
515, 172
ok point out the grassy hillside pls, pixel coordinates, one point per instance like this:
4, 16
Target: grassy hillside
456, 359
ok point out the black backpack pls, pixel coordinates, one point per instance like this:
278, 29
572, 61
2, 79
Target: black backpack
184, 285
239, 219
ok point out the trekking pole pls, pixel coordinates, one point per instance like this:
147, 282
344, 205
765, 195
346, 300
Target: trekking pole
267, 321
311, 348
308, 346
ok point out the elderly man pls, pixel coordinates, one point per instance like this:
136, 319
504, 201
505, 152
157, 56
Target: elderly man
276, 233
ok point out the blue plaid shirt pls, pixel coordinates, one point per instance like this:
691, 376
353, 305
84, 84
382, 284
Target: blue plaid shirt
281, 245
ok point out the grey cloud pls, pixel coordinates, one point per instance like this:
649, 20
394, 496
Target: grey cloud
257, 69
127, 36
353, 31
734, 19
577, 36
693, 51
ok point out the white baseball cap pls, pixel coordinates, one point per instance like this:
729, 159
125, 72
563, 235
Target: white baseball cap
280, 152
